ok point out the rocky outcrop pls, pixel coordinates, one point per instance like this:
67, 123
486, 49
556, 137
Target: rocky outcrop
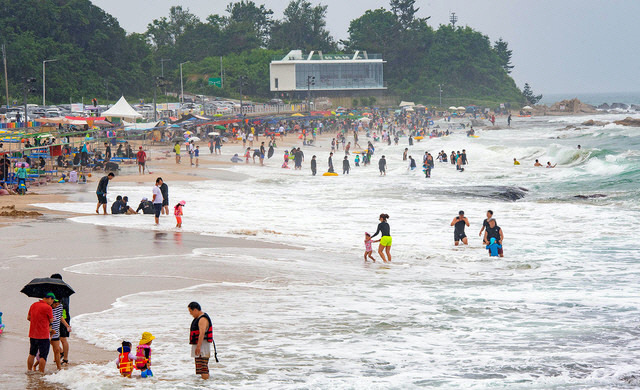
591, 122
572, 106
604, 106
629, 121
619, 106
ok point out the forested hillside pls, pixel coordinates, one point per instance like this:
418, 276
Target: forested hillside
97, 58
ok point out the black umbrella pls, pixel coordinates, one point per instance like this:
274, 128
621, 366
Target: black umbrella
39, 287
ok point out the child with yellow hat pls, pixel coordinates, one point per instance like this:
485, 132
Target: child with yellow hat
143, 355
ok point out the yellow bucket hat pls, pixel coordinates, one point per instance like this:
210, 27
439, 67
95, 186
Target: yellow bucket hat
146, 338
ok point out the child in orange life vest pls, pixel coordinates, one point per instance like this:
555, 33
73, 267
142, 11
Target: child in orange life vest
143, 355
126, 359
177, 211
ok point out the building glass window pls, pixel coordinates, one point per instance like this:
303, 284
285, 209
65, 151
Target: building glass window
340, 76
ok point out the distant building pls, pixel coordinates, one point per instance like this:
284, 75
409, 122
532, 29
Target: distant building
333, 74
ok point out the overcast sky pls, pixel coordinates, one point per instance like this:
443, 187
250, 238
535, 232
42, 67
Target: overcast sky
566, 46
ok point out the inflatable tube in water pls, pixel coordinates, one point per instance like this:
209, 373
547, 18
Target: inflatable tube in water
473, 136
329, 174
418, 137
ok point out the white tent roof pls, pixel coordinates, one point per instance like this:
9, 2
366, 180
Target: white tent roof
140, 126
121, 109
405, 104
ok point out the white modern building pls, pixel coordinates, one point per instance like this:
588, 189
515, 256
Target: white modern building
297, 72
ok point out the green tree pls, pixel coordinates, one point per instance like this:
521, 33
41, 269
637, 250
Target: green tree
303, 27
247, 26
167, 31
528, 95
502, 50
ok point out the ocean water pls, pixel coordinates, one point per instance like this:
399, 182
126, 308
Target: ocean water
595, 99
559, 310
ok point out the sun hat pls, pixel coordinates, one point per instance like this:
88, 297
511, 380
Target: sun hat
182, 202
145, 199
146, 338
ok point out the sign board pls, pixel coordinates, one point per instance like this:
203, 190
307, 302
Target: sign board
215, 81
77, 107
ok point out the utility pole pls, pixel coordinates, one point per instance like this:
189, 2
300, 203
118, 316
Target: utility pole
27, 88
159, 81
181, 84
162, 60
6, 80
311, 80
440, 89
44, 81
221, 74
453, 19
242, 82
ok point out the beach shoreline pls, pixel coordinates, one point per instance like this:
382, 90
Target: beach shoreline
42, 241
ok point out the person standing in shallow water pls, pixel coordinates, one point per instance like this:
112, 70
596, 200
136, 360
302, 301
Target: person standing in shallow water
200, 339
385, 239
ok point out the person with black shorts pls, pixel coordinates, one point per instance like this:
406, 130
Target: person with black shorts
40, 319
157, 200
101, 192
459, 223
164, 189
485, 224
494, 231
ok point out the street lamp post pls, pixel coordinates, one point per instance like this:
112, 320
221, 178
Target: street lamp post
162, 60
311, 80
159, 81
243, 79
181, 84
44, 81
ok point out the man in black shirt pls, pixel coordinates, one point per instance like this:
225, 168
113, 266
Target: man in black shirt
485, 224
146, 206
494, 231
102, 192
458, 233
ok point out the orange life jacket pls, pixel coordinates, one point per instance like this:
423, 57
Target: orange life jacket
125, 365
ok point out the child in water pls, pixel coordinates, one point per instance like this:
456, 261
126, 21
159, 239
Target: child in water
493, 247
143, 355
126, 359
177, 211
367, 247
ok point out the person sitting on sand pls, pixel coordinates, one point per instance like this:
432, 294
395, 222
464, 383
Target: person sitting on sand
550, 166
125, 206
146, 206
118, 206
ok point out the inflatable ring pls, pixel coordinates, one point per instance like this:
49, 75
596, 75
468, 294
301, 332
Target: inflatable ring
329, 174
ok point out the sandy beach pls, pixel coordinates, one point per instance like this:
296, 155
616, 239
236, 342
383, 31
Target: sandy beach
39, 242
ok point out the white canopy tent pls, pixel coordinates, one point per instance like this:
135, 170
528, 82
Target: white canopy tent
122, 109
407, 104
140, 126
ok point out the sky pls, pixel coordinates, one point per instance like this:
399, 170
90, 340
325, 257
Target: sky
559, 46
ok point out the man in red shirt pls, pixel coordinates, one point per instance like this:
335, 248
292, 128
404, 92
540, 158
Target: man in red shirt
142, 158
40, 317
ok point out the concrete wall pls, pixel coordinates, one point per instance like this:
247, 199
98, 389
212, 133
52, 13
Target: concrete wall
286, 75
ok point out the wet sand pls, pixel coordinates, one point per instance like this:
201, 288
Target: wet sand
39, 245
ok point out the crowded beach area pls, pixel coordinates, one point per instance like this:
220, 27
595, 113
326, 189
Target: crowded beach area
319, 245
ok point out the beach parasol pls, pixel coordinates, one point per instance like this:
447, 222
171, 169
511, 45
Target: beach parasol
214, 133
39, 287
461, 108
219, 127
453, 108
194, 139
188, 132
298, 114
527, 108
